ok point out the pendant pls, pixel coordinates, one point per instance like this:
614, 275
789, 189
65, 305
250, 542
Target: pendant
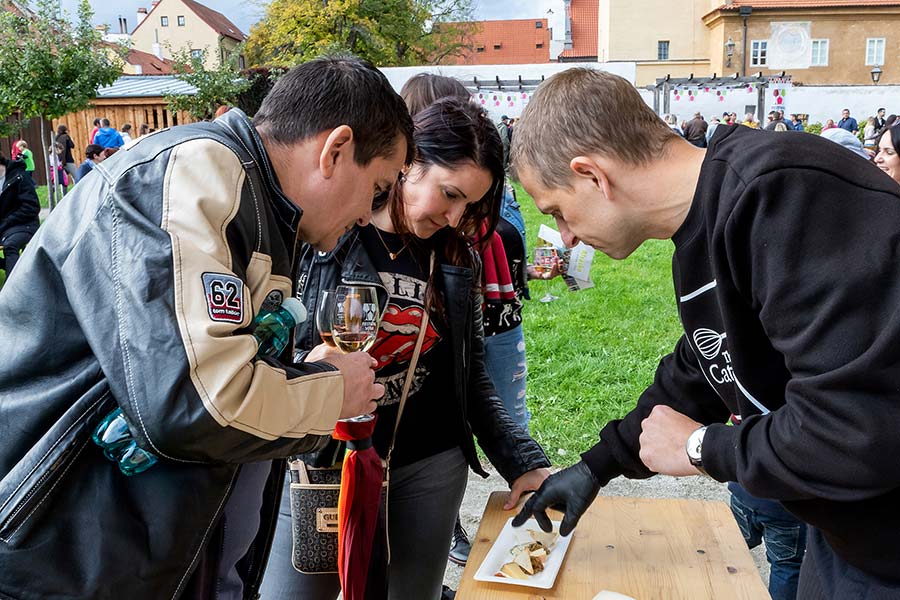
393, 255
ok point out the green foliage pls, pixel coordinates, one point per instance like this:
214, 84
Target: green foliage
262, 80
51, 67
215, 87
591, 353
815, 128
385, 32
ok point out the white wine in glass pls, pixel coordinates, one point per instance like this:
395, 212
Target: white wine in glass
355, 320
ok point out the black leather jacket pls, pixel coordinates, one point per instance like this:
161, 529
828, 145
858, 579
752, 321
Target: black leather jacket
19, 208
478, 409
113, 307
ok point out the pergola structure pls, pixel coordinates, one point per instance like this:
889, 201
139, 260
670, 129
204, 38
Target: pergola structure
665, 85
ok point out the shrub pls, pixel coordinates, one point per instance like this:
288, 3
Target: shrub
815, 128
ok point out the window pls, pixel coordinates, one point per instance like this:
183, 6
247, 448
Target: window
479, 49
198, 54
242, 63
497, 46
539, 45
164, 21
662, 50
819, 53
758, 53
538, 25
874, 51
181, 20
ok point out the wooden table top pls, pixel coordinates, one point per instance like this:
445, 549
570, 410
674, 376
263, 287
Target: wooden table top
648, 549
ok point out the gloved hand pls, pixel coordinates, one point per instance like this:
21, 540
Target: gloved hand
570, 491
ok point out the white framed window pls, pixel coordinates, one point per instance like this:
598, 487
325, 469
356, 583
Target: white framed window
759, 53
874, 51
181, 20
819, 53
164, 21
662, 50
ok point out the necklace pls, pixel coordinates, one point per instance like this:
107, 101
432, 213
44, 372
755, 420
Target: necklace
393, 255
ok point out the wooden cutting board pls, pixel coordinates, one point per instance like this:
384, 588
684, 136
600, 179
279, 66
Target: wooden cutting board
648, 549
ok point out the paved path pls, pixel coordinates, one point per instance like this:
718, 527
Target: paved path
692, 488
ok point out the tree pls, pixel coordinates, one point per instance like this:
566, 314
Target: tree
386, 32
51, 67
215, 87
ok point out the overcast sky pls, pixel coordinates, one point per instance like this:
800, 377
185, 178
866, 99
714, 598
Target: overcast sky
244, 13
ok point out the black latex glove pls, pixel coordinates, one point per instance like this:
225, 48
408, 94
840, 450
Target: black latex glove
570, 491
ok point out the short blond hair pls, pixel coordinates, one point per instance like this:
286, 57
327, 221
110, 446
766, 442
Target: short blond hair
584, 111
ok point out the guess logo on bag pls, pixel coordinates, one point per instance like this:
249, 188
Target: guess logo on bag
327, 520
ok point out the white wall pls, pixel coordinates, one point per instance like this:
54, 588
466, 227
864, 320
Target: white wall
819, 102
486, 74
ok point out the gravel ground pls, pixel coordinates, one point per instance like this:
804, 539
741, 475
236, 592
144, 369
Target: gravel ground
691, 488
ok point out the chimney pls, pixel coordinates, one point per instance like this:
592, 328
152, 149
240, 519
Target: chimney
157, 48
568, 44
141, 15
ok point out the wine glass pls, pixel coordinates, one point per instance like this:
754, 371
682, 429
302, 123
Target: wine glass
355, 318
324, 315
354, 322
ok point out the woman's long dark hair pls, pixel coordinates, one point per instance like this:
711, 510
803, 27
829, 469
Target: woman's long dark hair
450, 133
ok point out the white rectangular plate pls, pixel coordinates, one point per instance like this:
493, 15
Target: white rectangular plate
499, 555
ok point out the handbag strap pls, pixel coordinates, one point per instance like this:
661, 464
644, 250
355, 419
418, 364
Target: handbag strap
410, 373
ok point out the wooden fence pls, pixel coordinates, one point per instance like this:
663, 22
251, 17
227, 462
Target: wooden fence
31, 133
152, 111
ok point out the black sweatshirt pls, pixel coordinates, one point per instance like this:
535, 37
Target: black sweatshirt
787, 279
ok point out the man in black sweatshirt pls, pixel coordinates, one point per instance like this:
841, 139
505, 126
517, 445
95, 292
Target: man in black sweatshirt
787, 280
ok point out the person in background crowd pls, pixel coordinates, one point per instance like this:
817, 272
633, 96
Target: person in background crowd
847, 122
19, 213
829, 124
870, 133
789, 312
672, 122
714, 122
749, 121
125, 132
695, 130
94, 154
879, 119
58, 171
221, 111
107, 136
94, 131
68, 159
26, 155
847, 140
888, 157
796, 123
143, 130
107, 152
503, 128
14, 150
780, 127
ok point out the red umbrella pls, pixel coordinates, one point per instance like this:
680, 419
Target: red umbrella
362, 543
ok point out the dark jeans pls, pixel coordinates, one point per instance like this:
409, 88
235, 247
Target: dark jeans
784, 534
13, 243
825, 576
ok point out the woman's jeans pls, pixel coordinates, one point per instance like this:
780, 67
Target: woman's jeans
423, 501
504, 360
785, 536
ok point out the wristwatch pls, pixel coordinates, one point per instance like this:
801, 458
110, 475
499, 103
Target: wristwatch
694, 448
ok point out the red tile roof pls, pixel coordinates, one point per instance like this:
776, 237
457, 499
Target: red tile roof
150, 64
763, 4
216, 20
518, 41
585, 29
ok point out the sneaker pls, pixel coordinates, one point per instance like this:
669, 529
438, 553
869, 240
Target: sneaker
459, 549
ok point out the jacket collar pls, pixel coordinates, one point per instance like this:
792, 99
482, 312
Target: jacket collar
238, 126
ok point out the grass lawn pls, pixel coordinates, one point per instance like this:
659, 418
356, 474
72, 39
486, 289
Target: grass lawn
591, 353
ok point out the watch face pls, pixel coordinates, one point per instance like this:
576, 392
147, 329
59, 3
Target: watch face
695, 445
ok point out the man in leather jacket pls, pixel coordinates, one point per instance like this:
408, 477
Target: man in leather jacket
138, 293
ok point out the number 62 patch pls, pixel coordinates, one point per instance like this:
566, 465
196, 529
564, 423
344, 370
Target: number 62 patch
224, 297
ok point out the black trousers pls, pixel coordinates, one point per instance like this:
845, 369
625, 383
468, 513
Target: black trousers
13, 243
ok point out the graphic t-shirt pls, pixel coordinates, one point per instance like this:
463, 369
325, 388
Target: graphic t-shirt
422, 432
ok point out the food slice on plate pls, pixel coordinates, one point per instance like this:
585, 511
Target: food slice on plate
513, 570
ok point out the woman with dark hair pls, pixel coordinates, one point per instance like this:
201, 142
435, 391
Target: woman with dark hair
888, 157
453, 186
67, 159
19, 211
422, 90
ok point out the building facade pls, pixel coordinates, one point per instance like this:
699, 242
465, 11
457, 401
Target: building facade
505, 42
172, 25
